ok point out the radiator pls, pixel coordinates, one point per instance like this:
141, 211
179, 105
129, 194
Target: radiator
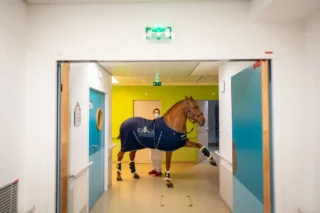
9, 198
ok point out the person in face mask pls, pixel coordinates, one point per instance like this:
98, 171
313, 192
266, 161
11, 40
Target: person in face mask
155, 154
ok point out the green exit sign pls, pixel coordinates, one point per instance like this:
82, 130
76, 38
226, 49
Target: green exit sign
155, 83
159, 32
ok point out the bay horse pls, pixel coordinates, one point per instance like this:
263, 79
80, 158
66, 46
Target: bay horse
167, 133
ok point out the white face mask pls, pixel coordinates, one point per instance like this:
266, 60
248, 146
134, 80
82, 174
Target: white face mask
156, 115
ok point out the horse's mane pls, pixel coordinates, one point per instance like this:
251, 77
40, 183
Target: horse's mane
169, 110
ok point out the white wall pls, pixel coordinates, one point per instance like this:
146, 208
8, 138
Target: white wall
257, 7
214, 30
84, 76
279, 12
313, 56
13, 14
226, 71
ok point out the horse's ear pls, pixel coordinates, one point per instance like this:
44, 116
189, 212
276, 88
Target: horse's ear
186, 97
191, 98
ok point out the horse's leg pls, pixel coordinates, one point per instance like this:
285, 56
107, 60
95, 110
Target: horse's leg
167, 175
120, 157
204, 150
132, 165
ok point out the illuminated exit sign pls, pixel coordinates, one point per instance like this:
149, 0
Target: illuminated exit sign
157, 82
159, 32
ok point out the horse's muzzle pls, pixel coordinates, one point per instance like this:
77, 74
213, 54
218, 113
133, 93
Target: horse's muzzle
202, 123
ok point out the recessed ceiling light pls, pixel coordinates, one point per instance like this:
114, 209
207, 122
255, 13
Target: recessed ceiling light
114, 81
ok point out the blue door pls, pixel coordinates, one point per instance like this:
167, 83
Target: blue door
250, 132
96, 146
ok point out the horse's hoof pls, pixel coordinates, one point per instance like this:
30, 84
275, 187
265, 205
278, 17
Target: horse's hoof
136, 176
170, 185
213, 163
119, 179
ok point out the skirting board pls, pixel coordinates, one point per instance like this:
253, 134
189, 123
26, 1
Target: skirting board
84, 209
226, 205
226, 181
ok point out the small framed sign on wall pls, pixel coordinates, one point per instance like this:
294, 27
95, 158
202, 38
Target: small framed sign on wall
77, 115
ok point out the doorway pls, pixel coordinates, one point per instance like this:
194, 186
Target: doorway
213, 123
144, 109
239, 152
209, 133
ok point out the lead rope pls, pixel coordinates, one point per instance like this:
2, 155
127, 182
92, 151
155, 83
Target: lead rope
191, 129
193, 122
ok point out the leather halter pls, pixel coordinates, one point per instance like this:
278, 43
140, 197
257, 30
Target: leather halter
194, 118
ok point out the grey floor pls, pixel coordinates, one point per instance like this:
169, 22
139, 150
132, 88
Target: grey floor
196, 190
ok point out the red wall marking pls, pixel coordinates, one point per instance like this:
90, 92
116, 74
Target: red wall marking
257, 64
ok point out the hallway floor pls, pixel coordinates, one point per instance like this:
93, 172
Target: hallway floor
195, 185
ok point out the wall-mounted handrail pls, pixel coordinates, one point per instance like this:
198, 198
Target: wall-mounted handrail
30, 209
80, 172
217, 152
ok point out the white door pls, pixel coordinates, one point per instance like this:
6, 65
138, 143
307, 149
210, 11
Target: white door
202, 132
145, 109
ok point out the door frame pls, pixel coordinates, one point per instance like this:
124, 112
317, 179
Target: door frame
266, 135
62, 155
59, 111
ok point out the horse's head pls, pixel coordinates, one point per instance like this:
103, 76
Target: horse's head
193, 111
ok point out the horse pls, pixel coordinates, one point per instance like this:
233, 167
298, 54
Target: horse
167, 133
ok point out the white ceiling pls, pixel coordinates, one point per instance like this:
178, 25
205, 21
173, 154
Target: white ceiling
171, 73
288, 10
118, 1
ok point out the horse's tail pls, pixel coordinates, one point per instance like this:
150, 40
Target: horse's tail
119, 136
120, 130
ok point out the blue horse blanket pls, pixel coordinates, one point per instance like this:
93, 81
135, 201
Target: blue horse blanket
139, 133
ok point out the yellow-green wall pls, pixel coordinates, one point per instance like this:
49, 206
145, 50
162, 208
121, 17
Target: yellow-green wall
122, 108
